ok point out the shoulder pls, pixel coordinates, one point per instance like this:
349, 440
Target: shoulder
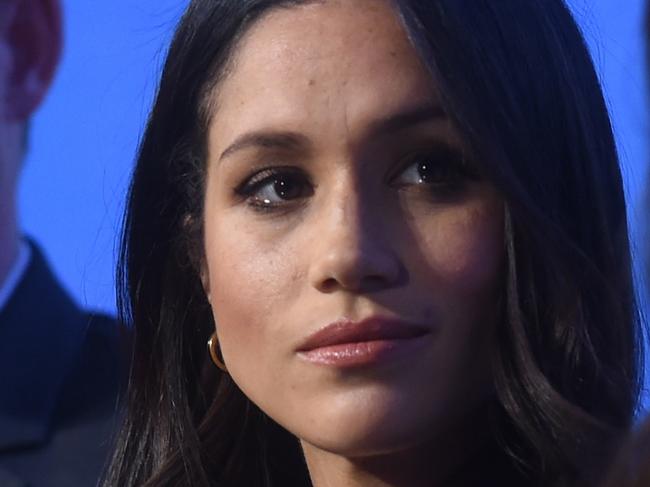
86, 416
88, 412
64, 372
99, 373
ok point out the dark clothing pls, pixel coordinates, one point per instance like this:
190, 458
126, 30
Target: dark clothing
61, 370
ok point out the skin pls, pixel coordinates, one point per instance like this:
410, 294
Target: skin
360, 235
30, 45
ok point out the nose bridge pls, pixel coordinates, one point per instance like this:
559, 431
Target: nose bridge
354, 253
350, 217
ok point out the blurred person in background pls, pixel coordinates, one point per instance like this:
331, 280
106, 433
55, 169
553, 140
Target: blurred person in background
60, 367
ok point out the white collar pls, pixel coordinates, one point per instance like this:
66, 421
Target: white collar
15, 273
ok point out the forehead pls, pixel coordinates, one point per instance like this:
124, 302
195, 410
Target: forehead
325, 28
339, 58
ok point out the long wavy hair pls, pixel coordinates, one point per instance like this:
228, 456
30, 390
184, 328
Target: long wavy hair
517, 80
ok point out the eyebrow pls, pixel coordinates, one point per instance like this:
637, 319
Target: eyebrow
408, 118
268, 140
287, 140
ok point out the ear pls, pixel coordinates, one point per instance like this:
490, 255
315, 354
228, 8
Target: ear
196, 258
31, 33
205, 282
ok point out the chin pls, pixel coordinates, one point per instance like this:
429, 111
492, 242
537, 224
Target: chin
360, 443
368, 427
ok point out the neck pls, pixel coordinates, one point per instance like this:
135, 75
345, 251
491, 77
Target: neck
11, 137
9, 235
437, 463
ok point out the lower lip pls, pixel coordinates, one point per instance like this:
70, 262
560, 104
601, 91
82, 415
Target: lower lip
363, 353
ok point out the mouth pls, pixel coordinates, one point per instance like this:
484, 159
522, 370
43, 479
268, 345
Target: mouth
371, 341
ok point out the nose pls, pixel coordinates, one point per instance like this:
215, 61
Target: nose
354, 250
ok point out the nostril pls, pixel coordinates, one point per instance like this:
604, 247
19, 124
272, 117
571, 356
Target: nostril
376, 283
357, 284
329, 285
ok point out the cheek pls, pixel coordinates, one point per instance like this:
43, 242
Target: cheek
252, 278
460, 264
463, 247
250, 262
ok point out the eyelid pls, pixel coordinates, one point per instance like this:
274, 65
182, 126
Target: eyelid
253, 182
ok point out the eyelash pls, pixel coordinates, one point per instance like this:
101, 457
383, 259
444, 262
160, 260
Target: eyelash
452, 161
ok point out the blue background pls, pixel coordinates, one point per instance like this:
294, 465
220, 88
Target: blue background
85, 135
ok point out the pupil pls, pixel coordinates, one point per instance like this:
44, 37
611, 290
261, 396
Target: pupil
285, 188
435, 173
424, 171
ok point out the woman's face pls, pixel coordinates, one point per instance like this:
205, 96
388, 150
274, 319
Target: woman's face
338, 198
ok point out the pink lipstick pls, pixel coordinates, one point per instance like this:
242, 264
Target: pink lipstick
371, 341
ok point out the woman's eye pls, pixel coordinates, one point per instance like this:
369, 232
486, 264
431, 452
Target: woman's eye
424, 172
445, 170
275, 187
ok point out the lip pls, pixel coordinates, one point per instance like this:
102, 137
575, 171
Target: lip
374, 340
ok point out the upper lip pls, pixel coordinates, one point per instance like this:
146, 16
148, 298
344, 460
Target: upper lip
369, 329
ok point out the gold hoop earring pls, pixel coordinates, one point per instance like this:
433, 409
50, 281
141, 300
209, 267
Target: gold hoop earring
213, 344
